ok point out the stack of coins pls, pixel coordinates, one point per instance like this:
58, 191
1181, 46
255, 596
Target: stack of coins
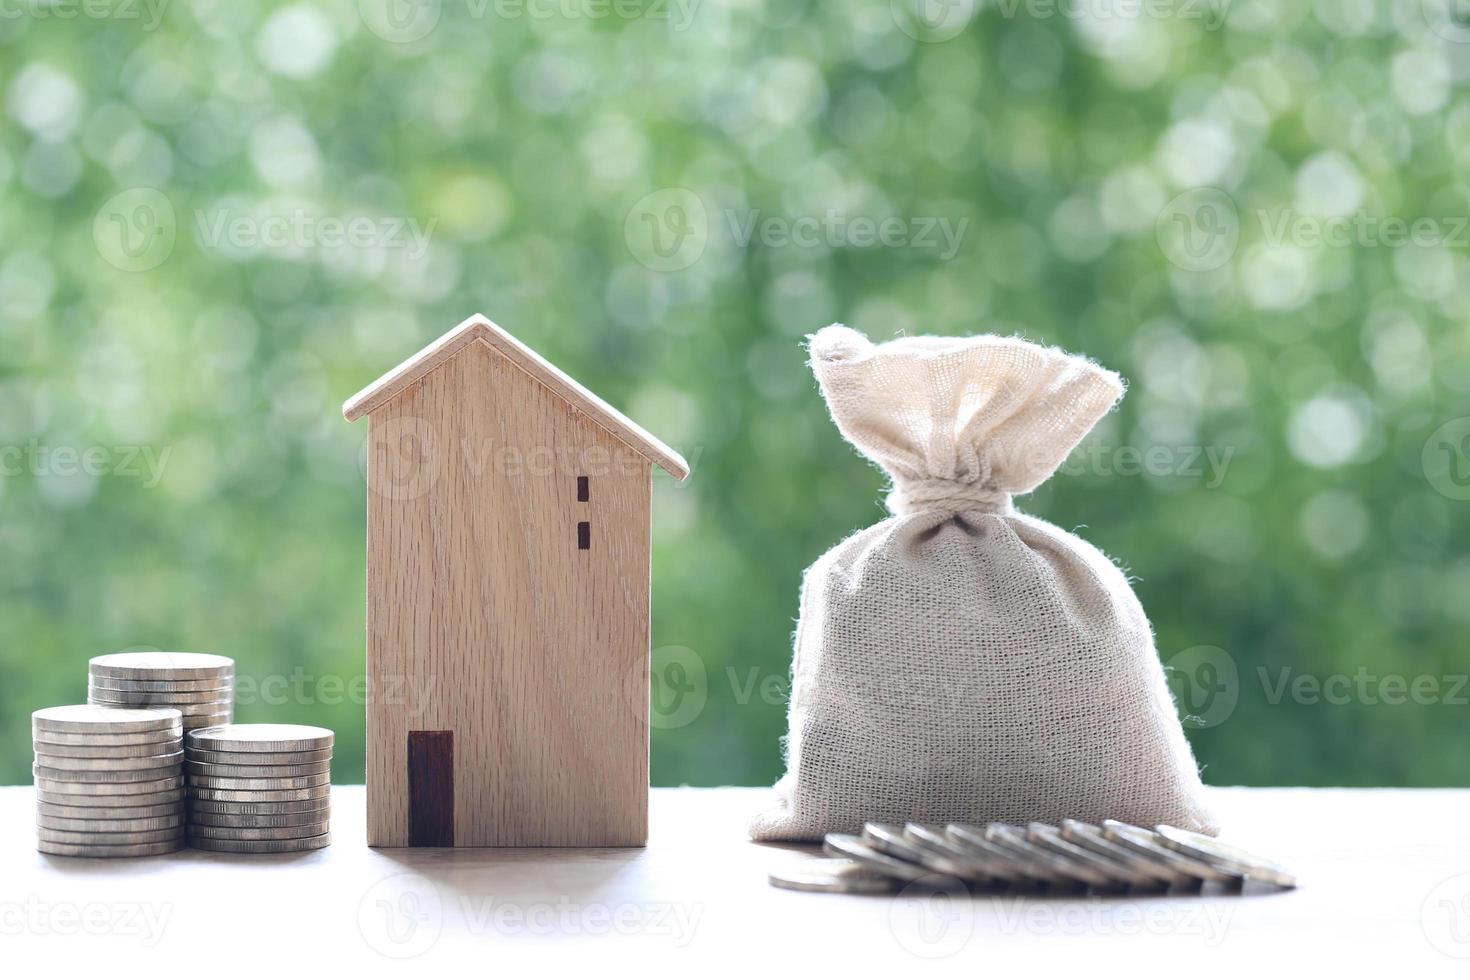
259, 789
200, 685
109, 781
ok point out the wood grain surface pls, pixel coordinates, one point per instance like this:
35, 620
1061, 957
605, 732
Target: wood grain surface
487, 620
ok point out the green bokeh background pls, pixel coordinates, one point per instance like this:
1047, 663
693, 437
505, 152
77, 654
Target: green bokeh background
1056, 140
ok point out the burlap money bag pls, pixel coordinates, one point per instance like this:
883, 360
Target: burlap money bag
962, 661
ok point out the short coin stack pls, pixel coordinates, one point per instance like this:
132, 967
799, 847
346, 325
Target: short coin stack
1109, 858
259, 789
108, 781
200, 685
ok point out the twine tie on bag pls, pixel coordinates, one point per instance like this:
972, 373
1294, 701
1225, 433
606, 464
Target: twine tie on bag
948, 496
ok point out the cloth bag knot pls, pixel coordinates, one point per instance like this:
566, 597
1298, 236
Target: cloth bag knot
961, 661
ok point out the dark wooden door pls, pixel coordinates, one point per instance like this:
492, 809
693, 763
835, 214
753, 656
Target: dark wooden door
431, 789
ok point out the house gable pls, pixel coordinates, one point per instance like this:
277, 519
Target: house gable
576, 397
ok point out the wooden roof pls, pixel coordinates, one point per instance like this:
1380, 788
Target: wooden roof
477, 327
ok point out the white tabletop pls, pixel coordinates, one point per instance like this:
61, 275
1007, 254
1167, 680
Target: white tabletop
1385, 887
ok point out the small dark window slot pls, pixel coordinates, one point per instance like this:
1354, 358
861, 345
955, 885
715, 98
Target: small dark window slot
584, 535
583, 491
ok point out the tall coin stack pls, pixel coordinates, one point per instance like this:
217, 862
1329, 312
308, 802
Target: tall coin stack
259, 789
200, 685
109, 781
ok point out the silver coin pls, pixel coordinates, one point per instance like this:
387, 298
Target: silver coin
1123, 873
256, 772
137, 824
124, 752
173, 797
161, 666
1146, 842
103, 740
857, 849
199, 818
1226, 856
79, 776
187, 711
1063, 870
183, 700
263, 782
129, 685
66, 763
212, 720
260, 795
85, 719
261, 846
833, 875
888, 838
141, 788
110, 850
1091, 837
290, 832
142, 812
1028, 872
941, 854
258, 758
124, 837
262, 738
208, 810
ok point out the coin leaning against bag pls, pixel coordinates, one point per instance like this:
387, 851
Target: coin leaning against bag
838, 875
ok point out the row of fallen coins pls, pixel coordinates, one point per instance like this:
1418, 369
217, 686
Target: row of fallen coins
109, 781
1074, 857
200, 685
258, 789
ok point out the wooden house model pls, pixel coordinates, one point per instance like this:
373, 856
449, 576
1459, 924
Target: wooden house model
508, 553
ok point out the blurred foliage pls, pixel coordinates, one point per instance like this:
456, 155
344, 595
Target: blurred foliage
523, 139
